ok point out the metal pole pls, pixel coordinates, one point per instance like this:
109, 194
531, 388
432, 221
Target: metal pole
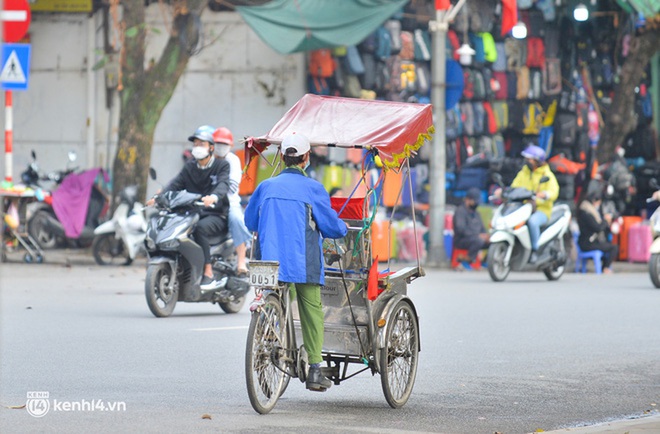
9, 137
436, 254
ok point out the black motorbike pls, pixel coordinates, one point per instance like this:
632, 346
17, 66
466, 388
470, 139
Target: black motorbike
176, 261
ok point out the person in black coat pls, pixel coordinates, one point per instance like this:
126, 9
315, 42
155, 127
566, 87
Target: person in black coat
594, 229
469, 231
208, 176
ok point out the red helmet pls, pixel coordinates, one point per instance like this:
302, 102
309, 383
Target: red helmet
223, 135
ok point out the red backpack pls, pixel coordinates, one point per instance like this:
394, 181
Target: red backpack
535, 52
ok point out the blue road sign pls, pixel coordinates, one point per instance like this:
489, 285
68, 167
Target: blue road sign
15, 66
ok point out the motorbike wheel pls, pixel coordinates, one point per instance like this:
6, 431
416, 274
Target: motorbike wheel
161, 299
496, 268
265, 365
556, 272
38, 230
110, 250
233, 306
654, 269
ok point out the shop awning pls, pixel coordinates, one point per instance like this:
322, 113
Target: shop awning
395, 129
290, 26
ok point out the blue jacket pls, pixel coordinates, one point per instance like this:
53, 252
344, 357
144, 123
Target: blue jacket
291, 213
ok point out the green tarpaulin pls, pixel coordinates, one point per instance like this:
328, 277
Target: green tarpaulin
648, 8
289, 26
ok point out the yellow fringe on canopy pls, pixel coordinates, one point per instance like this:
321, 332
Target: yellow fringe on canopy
397, 159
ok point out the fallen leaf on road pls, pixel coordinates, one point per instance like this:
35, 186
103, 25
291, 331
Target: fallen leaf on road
15, 407
206, 416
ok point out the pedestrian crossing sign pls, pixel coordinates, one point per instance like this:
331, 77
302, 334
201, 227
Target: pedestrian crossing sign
15, 66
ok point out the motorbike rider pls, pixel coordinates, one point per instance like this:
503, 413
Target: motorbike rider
546, 192
291, 212
208, 176
224, 141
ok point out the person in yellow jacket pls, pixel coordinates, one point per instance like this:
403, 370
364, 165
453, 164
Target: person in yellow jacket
529, 177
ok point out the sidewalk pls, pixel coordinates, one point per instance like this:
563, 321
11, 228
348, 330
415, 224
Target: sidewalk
643, 425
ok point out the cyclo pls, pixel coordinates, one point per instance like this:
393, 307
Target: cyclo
370, 322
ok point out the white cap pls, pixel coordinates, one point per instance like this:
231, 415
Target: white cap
296, 141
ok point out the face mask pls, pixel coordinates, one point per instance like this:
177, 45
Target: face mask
306, 165
222, 150
530, 165
200, 152
474, 206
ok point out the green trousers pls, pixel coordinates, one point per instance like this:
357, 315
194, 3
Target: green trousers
311, 318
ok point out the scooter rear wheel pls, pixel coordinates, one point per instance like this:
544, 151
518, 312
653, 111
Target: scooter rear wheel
161, 296
38, 230
110, 250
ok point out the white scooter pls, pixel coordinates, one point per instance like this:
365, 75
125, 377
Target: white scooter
119, 240
654, 260
510, 244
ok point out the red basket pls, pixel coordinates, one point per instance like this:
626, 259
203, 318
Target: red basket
354, 210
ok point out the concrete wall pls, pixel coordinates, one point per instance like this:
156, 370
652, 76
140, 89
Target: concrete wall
235, 81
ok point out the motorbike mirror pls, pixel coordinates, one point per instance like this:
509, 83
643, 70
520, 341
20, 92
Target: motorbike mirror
544, 179
34, 155
497, 178
654, 184
152, 173
73, 156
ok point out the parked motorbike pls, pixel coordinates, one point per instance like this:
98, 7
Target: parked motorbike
33, 178
176, 261
75, 208
510, 244
119, 240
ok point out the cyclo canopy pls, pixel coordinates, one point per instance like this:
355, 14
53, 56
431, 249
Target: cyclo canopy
394, 129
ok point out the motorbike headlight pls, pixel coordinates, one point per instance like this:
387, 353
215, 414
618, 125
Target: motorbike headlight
172, 244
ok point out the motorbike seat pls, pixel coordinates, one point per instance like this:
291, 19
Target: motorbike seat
218, 239
557, 213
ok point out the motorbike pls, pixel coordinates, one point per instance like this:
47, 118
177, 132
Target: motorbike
176, 262
510, 245
654, 260
72, 212
120, 239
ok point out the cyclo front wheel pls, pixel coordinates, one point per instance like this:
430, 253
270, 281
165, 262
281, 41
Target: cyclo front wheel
399, 357
264, 355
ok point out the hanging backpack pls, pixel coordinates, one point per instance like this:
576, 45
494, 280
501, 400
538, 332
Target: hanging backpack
353, 61
423, 79
491, 122
479, 118
552, 76
454, 125
501, 113
502, 90
478, 45
535, 52
467, 118
321, 63
533, 118
536, 79
407, 46
383, 44
468, 88
515, 53
422, 45
490, 52
500, 62
394, 27
565, 127
522, 77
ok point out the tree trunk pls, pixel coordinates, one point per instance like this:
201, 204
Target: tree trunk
144, 93
621, 119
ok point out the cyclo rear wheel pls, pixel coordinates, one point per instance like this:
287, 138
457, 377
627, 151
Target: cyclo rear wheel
264, 368
399, 357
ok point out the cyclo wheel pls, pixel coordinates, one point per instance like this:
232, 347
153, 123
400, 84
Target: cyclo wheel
399, 357
265, 374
